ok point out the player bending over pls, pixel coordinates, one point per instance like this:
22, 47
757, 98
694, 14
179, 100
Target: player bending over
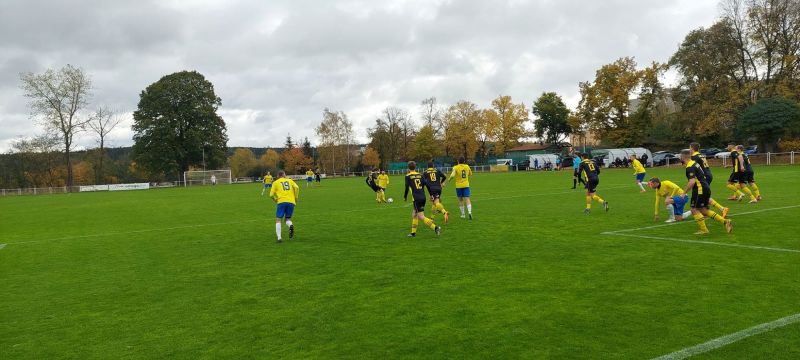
434, 180
285, 193
639, 172
462, 172
589, 173
701, 194
700, 159
267, 182
672, 194
416, 185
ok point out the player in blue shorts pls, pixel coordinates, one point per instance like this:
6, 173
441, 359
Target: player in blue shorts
284, 192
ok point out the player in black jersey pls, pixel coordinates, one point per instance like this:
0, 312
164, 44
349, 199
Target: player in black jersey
416, 185
701, 160
589, 173
434, 180
748, 177
701, 194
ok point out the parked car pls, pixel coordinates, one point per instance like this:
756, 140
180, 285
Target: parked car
752, 149
660, 158
710, 151
722, 154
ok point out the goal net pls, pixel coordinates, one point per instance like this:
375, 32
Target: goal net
208, 177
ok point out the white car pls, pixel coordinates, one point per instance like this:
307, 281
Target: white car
722, 155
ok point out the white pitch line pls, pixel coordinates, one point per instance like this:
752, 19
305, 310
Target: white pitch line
676, 223
730, 338
254, 220
2, 246
705, 242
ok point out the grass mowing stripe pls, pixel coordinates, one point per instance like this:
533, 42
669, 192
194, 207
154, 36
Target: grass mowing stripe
687, 222
192, 226
2, 246
705, 242
730, 338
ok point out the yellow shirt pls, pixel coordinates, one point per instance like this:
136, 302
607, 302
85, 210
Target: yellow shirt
285, 190
267, 179
309, 173
383, 180
668, 189
637, 167
462, 173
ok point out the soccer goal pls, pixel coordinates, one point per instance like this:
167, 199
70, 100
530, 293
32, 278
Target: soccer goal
207, 177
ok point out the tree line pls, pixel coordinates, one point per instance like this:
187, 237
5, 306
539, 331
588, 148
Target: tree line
738, 80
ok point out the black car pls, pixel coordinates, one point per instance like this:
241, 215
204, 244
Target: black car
710, 152
661, 158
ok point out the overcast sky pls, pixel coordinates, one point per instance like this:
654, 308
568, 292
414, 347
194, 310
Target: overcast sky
277, 64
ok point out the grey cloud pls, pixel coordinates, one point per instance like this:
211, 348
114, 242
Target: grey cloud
277, 64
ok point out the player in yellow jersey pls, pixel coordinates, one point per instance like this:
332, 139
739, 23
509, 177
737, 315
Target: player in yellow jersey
309, 177
638, 171
285, 193
461, 173
673, 198
267, 182
416, 185
383, 183
701, 195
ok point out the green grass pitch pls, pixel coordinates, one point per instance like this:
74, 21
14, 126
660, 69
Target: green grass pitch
196, 273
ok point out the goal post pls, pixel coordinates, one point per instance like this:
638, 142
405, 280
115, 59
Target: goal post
206, 177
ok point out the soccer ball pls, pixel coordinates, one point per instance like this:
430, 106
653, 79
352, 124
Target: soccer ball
389, 200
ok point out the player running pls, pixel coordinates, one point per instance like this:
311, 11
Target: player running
701, 195
747, 178
733, 179
638, 171
462, 172
673, 198
318, 177
383, 184
309, 177
416, 184
267, 182
285, 193
589, 173
372, 182
435, 180
700, 159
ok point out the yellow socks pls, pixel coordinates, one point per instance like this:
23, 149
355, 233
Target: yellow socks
588, 202
716, 217
429, 223
598, 199
701, 222
748, 192
717, 205
414, 223
441, 207
756, 191
735, 190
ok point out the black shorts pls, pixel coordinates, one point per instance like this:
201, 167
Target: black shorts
435, 194
377, 188
735, 178
591, 185
709, 178
700, 201
419, 205
747, 177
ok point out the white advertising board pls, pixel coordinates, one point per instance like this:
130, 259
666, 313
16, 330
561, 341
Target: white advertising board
93, 188
121, 187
